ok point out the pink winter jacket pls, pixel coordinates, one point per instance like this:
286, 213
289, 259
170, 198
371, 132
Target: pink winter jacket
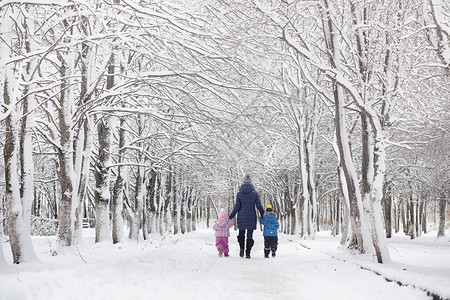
222, 227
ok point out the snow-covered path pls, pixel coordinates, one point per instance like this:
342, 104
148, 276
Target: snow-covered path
188, 267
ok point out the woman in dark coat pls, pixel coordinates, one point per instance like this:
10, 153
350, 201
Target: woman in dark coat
246, 201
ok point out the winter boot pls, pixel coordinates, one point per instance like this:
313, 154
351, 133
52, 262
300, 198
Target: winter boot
274, 248
241, 241
266, 252
250, 243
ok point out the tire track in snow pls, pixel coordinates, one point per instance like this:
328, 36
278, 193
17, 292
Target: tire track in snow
429, 293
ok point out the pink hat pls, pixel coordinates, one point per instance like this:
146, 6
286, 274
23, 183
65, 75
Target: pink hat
223, 214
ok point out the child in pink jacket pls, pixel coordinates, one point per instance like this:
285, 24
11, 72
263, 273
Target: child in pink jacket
222, 228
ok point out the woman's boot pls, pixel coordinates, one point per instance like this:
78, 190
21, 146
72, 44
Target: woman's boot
241, 241
250, 243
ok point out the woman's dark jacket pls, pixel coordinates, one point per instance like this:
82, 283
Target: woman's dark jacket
246, 200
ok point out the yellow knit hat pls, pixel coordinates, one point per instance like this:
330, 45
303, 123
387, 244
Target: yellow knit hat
269, 206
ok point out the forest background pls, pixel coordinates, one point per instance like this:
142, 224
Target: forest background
149, 113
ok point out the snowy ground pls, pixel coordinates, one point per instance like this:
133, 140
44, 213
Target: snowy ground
187, 267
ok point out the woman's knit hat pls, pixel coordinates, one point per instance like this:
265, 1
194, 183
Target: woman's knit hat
269, 208
247, 179
223, 214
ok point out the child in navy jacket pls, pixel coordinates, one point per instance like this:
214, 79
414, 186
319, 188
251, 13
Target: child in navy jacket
270, 232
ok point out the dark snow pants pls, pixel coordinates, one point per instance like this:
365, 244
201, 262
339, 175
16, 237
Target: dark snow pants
270, 244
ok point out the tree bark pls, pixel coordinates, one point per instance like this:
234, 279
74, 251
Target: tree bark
12, 188
424, 216
183, 211
18, 208
388, 212
175, 205
411, 223
442, 214
65, 157
102, 194
404, 214
137, 209
189, 213
151, 206
117, 196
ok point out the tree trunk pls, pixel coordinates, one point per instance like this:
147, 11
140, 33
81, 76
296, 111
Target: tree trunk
2, 201
135, 213
151, 206
117, 196
18, 217
305, 199
373, 147
347, 223
424, 216
346, 164
442, 214
102, 194
397, 216
388, 212
310, 168
27, 169
17, 152
175, 206
403, 214
418, 221
194, 213
159, 203
411, 223
167, 201
65, 156
183, 211
189, 213
3, 263
360, 235
84, 141
84, 158
336, 216
102, 174
208, 215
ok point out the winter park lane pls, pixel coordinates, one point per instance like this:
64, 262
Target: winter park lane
188, 267
298, 273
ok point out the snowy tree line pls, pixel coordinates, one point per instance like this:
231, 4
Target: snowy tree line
149, 113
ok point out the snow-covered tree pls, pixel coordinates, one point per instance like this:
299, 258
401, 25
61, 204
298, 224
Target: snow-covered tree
16, 78
437, 20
